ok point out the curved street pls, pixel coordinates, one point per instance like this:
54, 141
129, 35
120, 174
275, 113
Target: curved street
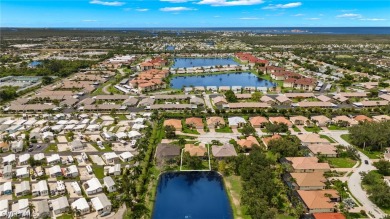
355, 180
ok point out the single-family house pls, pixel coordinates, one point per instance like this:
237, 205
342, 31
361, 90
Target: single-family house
312, 138
71, 171
267, 140
199, 151
23, 159
224, 151
321, 120
280, 119
166, 152
305, 181
194, 122
76, 145
60, 205
305, 164
215, 122
176, 123
22, 173
6, 189
248, 142
258, 121
42, 209
125, 156
53, 159
110, 158
362, 118
9, 159
4, 208
326, 150
236, 122
81, 205
7, 171
93, 186
22, 188
55, 171
319, 201
17, 146
109, 183
343, 121
101, 204
40, 188
4, 146
300, 120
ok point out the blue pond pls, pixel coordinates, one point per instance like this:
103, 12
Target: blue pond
191, 195
34, 63
199, 62
245, 79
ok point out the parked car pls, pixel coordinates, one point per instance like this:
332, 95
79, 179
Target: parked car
366, 161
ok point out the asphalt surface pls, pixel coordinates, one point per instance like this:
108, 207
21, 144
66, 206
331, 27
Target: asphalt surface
355, 180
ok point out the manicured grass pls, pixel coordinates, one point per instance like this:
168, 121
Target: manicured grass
205, 165
339, 162
335, 127
328, 138
296, 129
65, 216
225, 129
106, 148
190, 131
98, 171
312, 129
234, 191
51, 148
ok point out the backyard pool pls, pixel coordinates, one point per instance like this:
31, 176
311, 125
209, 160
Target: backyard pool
244, 79
199, 62
191, 195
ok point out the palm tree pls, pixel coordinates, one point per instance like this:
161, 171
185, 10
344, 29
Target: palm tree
31, 208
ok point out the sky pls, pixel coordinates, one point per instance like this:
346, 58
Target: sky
194, 13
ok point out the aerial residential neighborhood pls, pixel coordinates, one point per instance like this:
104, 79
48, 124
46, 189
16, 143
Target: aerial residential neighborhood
118, 125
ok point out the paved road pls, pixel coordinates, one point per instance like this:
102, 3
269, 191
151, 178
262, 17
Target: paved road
208, 102
354, 181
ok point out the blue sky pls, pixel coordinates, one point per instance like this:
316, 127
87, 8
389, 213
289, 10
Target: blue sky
194, 13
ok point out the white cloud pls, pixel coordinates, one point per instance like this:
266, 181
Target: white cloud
349, 15
283, 6
142, 9
373, 19
298, 15
89, 20
313, 18
230, 3
175, 9
114, 3
175, 1
249, 18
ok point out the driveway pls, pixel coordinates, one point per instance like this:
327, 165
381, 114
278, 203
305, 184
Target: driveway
208, 102
354, 181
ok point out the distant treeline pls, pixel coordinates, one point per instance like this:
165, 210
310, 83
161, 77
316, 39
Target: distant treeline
60, 68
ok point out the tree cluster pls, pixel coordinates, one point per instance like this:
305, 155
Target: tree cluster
378, 190
371, 135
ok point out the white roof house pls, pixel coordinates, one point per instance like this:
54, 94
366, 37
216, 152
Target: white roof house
138, 126
6, 189
134, 134
47, 136
109, 183
81, 204
60, 205
23, 159
22, 188
39, 156
93, 186
20, 207
76, 188
40, 188
126, 156
110, 157
236, 121
55, 171
54, 158
4, 207
17, 146
76, 145
121, 135
72, 171
9, 159
101, 204
22, 172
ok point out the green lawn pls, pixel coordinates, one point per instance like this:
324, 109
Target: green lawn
190, 131
205, 165
338, 162
335, 127
328, 138
312, 129
234, 188
106, 148
51, 148
98, 171
225, 129
296, 129
65, 216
